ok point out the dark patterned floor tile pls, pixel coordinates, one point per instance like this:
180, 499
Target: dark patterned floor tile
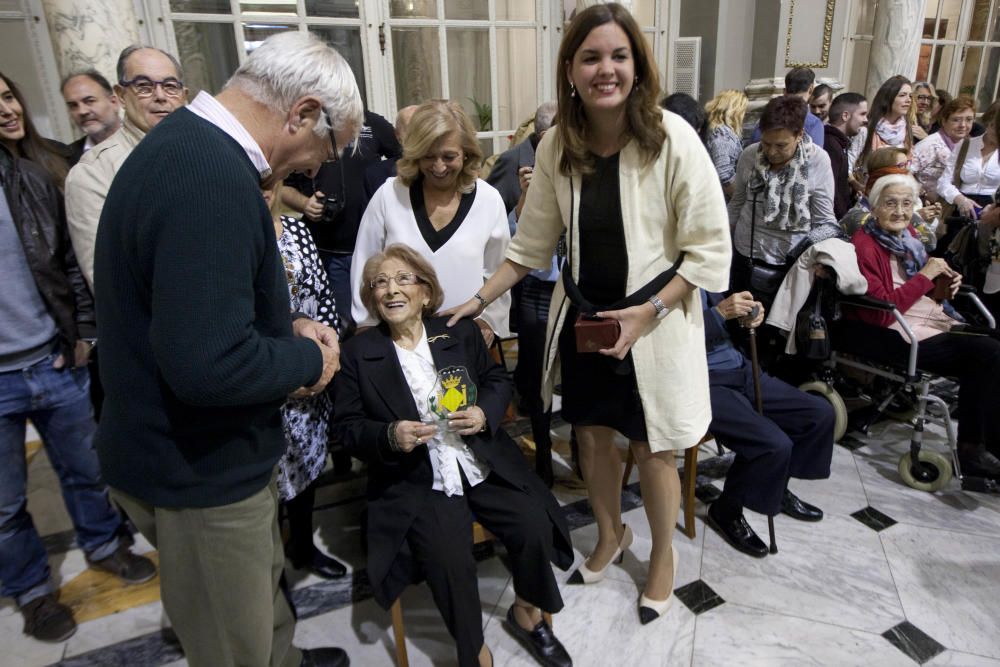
913, 641
874, 519
698, 597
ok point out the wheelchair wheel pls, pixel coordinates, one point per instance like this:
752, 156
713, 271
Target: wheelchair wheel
823, 390
933, 474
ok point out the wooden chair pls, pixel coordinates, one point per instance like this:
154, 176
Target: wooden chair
479, 535
688, 483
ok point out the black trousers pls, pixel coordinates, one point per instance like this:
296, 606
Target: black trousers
533, 316
441, 543
793, 438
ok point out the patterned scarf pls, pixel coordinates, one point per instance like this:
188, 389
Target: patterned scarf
893, 134
905, 246
786, 200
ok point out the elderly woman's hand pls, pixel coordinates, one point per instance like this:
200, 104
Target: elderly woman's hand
737, 304
410, 434
934, 267
467, 422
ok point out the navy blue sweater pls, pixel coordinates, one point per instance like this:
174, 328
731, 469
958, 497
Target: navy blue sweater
197, 351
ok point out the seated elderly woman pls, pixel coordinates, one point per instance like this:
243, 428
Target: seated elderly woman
898, 270
886, 161
782, 199
429, 477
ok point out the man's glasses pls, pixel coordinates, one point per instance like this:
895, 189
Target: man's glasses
926, 98
381, 281
145, 87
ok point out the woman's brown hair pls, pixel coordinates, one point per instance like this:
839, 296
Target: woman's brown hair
645, 119
34, 146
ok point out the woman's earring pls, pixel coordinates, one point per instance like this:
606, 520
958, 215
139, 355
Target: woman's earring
572, 89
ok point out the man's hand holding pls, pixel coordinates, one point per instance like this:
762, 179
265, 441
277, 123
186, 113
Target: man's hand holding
313, 210
326, 338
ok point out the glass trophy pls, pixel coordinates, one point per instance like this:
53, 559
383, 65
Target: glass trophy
453, 392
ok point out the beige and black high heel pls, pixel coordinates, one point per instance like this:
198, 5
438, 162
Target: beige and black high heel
583, 575
650, 610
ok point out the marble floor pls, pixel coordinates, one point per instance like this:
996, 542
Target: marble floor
891, 576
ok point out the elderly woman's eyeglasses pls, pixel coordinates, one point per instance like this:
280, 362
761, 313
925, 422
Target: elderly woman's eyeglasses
925, 98
381, 281
145, 87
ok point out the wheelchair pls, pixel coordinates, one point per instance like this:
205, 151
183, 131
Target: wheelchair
902, 391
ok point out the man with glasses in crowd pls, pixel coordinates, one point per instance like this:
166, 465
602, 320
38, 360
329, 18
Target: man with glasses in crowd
151, 86
93, 107
201, 348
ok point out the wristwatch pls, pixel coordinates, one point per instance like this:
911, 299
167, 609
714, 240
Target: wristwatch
661, 308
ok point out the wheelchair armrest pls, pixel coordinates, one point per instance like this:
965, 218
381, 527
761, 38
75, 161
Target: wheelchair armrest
865, 301
966, 289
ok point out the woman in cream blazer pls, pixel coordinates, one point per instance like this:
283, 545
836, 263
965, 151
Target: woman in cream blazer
671, 207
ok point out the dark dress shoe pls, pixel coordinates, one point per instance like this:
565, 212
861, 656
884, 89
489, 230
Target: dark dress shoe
321, 565
325, 657
794, 507
540, 642
738, 533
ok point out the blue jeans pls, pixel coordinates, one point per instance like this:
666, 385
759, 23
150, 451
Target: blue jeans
338, 270
58, 404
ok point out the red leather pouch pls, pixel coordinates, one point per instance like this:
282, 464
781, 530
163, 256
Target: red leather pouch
596, 333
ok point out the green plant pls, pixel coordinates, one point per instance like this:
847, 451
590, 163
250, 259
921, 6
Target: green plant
484, 114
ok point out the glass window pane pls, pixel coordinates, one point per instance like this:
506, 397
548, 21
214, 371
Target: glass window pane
411, 9
469, 74
643, 11
995, 32
332, 8
255, 33
951, 11
980, 18
207, 53
280, 7
517, 74
931, 8
347, 41
201, 6
515, 10
944, 56
864, 17
486, 146
929, 26
417, 65
970, 70
466, 9
986, 92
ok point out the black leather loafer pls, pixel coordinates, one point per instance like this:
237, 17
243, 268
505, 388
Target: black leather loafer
325, 657
322, 566
739, 534
540, 642
794, 507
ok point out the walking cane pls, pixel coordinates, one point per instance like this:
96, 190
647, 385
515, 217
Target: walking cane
759, 403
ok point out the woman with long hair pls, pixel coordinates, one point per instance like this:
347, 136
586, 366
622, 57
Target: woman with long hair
19, 136
725, 131
889, 122
639, 202
925, 96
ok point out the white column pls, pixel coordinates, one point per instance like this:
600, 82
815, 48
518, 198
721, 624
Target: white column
895, 42
89, 34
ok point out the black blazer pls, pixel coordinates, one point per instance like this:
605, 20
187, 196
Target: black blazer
371, 392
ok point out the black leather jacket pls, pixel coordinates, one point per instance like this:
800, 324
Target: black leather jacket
37, 208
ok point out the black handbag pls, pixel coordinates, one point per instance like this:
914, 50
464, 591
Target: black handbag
811, 335
765, 280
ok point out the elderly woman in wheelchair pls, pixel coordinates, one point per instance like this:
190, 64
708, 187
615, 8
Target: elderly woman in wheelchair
916, 318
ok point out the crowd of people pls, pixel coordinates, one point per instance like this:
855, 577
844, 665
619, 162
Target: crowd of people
208, 298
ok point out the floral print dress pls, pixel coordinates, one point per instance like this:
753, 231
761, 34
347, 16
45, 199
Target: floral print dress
305, 420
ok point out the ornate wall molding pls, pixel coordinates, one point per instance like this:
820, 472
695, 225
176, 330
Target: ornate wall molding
824, 60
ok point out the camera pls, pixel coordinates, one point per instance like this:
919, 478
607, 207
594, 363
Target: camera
333, 206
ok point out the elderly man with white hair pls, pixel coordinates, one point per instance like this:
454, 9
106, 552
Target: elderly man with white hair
201, 348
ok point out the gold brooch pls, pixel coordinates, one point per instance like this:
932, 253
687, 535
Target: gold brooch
434, 339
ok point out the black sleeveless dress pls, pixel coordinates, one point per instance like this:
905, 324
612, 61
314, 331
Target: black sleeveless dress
598, 390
